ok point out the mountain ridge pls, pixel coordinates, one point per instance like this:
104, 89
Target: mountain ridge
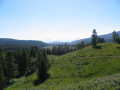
11, 43
107, 37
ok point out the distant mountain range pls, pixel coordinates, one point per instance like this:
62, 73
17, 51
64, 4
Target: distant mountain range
107, 37
13, 43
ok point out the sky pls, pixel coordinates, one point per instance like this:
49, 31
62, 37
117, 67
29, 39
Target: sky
57, 20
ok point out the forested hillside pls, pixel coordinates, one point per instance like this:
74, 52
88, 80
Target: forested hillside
13, 44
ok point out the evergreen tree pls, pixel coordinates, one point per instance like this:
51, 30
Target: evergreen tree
115, 37
22, 61
94, 38
100, 40
11, 70
4, 66
80, 45
42, 65
33, 51
29, 65
2, 76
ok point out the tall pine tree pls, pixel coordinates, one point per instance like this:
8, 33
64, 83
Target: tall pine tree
42, 65
94, 38
22, 62
11, 70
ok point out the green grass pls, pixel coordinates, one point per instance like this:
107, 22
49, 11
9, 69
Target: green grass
85, 69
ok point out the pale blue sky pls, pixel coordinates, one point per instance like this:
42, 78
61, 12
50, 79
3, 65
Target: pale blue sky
61, 20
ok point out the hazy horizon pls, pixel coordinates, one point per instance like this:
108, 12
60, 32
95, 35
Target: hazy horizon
57, 20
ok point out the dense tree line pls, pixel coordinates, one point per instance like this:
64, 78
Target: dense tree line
80, 45
60, 49
22, 63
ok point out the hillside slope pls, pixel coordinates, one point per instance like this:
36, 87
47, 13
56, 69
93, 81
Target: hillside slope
85, 69
13, 43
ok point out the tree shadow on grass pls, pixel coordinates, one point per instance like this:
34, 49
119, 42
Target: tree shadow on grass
118, 47
98, 47
42, 80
